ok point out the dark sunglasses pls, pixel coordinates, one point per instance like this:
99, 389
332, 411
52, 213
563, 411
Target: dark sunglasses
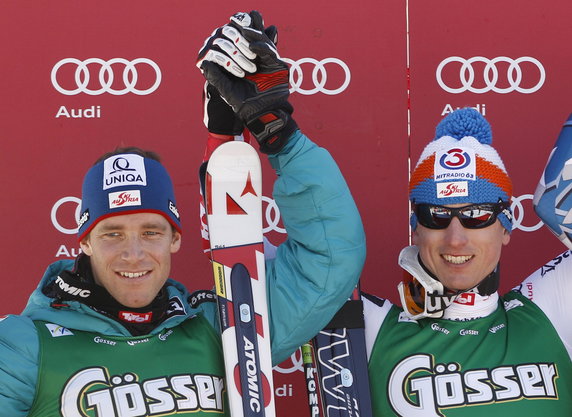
474, 216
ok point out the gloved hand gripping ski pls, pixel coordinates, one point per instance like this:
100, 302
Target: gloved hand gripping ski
259, 98
219, 118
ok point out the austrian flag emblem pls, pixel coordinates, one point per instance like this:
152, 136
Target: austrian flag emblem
124, 199
452, 189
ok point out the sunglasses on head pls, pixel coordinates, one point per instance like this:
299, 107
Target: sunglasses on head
474, 216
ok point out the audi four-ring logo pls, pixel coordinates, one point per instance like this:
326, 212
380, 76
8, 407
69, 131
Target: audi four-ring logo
106, 76
491, 75
319, 76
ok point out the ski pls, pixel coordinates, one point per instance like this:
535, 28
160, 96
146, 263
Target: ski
233, 197
552, 200
311, 377
342, 362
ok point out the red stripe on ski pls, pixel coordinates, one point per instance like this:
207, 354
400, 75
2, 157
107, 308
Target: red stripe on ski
246, 255
209, 193
230, 313
259, 325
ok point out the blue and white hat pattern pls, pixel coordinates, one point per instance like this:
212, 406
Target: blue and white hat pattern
460, 166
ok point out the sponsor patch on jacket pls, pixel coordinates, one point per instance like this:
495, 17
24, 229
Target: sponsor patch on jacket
134, 317
57, 331
176, 307
466, 298
201, 296
509, 305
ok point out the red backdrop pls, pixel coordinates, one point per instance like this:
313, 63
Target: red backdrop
370, 81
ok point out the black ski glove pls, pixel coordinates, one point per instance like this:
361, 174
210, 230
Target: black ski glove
218, 116
259, 99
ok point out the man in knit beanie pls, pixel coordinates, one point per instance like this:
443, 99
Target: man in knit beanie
455, 347
458, 169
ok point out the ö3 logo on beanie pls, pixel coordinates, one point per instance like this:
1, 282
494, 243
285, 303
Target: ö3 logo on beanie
455, 164
455, 158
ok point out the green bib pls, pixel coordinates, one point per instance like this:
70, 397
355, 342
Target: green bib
511, 363
177, 372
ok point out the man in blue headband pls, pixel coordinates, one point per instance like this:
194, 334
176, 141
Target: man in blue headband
111, 335
127, 192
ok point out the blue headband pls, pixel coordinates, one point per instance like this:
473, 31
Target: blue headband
126, 184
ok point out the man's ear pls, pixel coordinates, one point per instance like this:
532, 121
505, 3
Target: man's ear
85, 245
176, 242
505, 237
414, 236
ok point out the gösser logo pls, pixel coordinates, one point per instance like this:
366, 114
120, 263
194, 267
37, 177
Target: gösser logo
455, 159
491, 75
106, 76
297, 76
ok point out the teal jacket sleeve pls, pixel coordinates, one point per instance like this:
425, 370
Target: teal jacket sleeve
18, 365
317, 267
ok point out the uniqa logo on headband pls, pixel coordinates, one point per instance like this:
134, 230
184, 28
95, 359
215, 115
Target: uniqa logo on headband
124, 169
455, 164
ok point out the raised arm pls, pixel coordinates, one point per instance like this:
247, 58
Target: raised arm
317, 267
